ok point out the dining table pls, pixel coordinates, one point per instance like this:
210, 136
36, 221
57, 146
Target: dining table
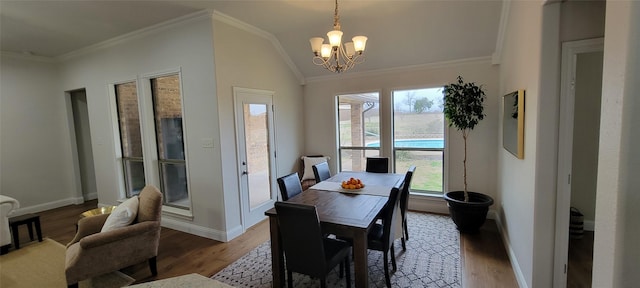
342, 212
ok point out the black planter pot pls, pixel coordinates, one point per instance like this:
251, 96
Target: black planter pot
468, 216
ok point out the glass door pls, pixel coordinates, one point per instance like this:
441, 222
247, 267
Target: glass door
254, 125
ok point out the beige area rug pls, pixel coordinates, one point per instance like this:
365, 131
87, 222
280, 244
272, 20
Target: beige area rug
432, 259
191, 280
41, 264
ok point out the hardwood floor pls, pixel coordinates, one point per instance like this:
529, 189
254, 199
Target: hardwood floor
580, 264
484, 260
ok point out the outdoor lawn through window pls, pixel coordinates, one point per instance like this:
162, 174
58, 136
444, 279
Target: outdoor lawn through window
418, 131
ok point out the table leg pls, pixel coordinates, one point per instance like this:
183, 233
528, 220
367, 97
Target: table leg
361, 266
38, 229
16, 237
277, 257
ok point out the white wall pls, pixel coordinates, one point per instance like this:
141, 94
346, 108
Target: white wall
320, 130
35, 142
82, 135
530, 61
617, 237
519, 69
186, 45
245, 58
582, 20
37, 166
586, 133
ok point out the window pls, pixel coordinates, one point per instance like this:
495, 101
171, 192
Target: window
359, 129
153, 150
167, 111
418, 137
130, 137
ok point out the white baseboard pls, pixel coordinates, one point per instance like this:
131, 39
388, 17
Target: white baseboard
91, 196
195, 229
507, 244
47, 206
433, 204
589, 225
233, 233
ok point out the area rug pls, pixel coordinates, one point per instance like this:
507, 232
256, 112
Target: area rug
432, 259
192, 280
41, 264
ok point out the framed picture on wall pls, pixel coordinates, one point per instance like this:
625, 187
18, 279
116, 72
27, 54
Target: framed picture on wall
513, 123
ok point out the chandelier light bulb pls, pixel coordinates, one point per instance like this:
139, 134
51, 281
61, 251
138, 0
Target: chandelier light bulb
359, 42
350, 49
335, 38
316, 44
326, 51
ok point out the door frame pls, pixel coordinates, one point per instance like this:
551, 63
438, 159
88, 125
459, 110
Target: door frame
266, 97
80, 196
570, 51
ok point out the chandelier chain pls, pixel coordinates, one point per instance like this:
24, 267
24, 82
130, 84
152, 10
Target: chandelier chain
336, 18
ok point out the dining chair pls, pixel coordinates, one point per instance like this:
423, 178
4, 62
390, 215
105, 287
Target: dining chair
381, 235
377, 165
321, 171
404, 203
306, 250
306, 170
289, 186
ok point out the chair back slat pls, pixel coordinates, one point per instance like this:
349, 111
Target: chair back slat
289, 186
389, 218
377, 165
321, 171
404, 196
302, 239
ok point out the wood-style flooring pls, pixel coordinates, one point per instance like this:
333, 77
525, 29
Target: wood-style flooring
484, 260
580, 264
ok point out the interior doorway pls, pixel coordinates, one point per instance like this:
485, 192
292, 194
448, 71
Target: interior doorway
85, 172
578, 161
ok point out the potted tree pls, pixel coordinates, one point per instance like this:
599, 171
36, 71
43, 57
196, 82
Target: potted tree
463, 108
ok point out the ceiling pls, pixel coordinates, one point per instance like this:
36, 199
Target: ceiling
401, 32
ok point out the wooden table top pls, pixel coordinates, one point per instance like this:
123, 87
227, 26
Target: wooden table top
347, 209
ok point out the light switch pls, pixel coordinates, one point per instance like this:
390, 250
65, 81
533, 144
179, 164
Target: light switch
207, 142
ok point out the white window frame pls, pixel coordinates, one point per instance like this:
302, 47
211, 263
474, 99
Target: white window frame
445, 150
148, 134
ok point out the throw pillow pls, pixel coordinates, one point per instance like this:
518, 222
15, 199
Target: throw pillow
122, 216
308, 163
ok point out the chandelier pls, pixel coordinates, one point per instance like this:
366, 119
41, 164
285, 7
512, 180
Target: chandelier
334, 56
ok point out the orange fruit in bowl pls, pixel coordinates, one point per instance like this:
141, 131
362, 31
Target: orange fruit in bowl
352, 183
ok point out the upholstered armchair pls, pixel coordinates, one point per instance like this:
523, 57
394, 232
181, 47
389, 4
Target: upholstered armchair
92, 253
7, 204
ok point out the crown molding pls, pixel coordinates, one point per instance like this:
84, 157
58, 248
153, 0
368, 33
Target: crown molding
411, 68
496, 58
29, 57
136, 34
217, 15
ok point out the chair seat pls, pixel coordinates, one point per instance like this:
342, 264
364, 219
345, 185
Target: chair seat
306, 250
375, 237
335, 250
